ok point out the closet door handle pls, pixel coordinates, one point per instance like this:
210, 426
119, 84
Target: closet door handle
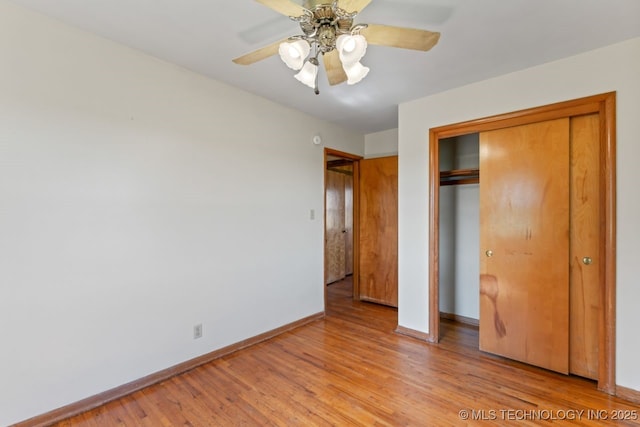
489, 253
587, 260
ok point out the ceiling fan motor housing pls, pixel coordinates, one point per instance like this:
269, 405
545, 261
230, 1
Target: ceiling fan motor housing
325, 22
327, 37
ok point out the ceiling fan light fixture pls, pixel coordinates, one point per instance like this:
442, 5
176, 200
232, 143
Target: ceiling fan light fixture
308, 74
351, 48
328, 29
355, 72
294, 53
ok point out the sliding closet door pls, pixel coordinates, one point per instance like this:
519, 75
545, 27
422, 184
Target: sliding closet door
586, 246
524, 241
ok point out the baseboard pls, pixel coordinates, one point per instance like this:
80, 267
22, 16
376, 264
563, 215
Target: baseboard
628, 394
460, 319
93, 402
423, 336
377, 301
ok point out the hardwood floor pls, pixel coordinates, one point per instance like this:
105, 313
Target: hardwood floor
352, 369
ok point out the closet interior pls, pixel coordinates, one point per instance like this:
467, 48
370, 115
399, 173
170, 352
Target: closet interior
459, 228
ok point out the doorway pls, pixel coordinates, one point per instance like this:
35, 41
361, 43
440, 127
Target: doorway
341, 218
604, 107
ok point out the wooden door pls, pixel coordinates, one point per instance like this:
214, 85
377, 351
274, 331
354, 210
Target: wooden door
585, 248
334, 227
348, 222
379, 230
524, 240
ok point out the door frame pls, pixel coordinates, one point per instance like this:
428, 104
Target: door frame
603, 104
355, 159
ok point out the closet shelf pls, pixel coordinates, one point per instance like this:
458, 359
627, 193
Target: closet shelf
460, 176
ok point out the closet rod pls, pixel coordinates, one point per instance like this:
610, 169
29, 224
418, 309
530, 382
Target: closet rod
460, 177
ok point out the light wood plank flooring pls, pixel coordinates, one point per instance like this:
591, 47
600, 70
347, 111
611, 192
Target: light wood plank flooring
352, 369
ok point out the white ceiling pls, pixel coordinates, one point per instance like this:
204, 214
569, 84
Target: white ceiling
480, 39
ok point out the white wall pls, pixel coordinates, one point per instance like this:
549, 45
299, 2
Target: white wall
381, 144
613, 68
138, 199
447, 227
459, 267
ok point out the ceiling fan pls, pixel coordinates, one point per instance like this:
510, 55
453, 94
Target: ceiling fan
328, 29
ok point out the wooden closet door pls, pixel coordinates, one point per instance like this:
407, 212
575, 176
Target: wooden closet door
585, 249
379, 230
524, 240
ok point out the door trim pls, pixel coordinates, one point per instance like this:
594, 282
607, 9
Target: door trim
605, 106
356, 219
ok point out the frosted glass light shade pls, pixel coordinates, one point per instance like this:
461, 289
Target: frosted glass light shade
307, 75
351, 49
355, 72
294, 53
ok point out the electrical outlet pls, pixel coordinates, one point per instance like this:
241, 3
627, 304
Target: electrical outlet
197, 331
312, 214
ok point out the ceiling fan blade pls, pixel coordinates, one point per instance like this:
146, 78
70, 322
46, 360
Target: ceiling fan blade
285, 7
406, 38
353, 5
260, 54
333, 67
